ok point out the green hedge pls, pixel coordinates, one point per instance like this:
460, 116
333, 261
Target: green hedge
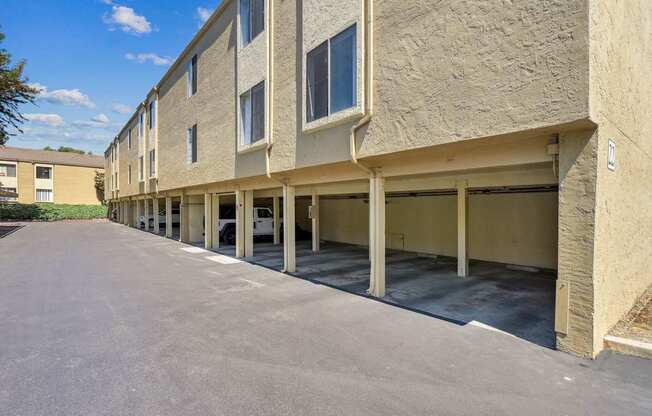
51, 212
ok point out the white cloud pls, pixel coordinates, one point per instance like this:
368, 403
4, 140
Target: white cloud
141, 58
54, 120
203, 14
120, 108
127, 20
63, 96
101, 118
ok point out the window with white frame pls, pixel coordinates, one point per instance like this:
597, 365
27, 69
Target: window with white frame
141, 126
152, 111
44, 195
331, 76
129, 138
7, 170
191, 145
192, 76
43, 172
252, 115
252, 19
152, 163
141, 169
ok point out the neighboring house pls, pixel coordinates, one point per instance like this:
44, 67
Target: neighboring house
513, 133
49, 176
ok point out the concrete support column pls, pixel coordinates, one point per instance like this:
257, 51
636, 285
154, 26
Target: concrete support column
462, 229
239, 223
146, 213
137, 214
208, 220
124, 219
377, 234
276, 219
315, 222
184, 232
216, 221
155, 215
289, 247
249, 223
168, 217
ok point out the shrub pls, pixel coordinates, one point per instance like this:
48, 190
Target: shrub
51, 212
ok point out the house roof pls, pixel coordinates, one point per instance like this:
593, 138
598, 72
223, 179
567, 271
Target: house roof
18, 154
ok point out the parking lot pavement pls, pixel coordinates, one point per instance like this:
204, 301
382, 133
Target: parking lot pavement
100, 319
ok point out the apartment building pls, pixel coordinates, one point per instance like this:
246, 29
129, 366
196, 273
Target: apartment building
475, 161
32, 175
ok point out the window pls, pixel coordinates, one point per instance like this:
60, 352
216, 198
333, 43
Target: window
43, 195
152, 163
252, 114
115, 182
332, 76
8, 198
152, 112
129, 139
43, 172
141, 126
264, 213
252, 19
192, 144
141, 169
129, 175
192, 76
7, 170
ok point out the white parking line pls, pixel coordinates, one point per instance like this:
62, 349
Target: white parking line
194, 250
223, 259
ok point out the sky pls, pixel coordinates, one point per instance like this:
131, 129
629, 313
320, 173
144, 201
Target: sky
93, 61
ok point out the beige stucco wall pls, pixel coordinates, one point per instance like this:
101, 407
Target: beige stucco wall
129, 157
212, 108
621, 99
75, 185
25, 174
508, 228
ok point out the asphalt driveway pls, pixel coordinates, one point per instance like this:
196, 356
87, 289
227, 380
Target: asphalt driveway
100, 319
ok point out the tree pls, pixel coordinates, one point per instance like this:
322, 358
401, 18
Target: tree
14, 92
99, 185
67, 149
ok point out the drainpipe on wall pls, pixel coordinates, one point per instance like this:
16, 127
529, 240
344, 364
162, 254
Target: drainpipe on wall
270, 86
368, 65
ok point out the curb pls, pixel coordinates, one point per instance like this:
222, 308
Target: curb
628, 346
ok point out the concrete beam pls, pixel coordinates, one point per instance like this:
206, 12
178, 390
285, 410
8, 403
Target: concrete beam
155, 210
289, 246
377, 234
276, 219
208, 221
315, 222
168, 217
462, 229
249, 223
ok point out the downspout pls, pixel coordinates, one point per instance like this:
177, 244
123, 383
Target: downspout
369, 96
270, 87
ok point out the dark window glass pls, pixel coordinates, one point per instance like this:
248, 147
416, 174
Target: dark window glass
194, 74
245, 26
152, 113
194, 143
8, 170
257, 17
343, 70
43, 172
263, 213
317, 78
258, 112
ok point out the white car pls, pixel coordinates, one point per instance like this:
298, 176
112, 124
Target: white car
176, 218
263, 223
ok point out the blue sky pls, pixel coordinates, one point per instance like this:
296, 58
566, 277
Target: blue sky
94, 61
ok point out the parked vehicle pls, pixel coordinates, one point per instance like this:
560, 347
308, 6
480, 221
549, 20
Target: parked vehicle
176, 218
263, 223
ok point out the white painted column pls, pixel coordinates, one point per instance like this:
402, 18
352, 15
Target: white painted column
146, 213
155, 215
315, 222
239, 224
168, 217
208, 220
289, 246
462, 229
377, 234
137, 214
276, 219
216, 221
184, 232
249, 223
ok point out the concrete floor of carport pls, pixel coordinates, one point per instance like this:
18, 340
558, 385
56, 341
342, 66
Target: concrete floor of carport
520, 303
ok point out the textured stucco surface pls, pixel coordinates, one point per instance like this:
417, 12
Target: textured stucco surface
25, 175
621, 99
75, 185
212, 108
128, 157
467, 69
